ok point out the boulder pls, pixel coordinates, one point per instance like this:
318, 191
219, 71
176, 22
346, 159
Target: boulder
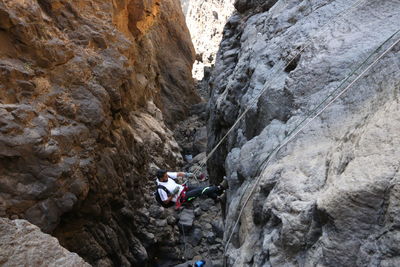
200, 140
186, 219
195, 236
22, 244
206, 204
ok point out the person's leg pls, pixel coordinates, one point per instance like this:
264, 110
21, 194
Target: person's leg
194, 192
191, 186
209, 191
212, 191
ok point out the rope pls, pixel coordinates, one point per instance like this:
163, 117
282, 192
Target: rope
184, 242
276, 68
333, 92
305, 125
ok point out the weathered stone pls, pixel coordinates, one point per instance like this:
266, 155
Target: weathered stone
208, 226
185, 264
206, 30
186, 219
210, 236
171, 220
22, 243
87, 89
218, 263
206, 204
157, 211
327, 197
195, 237
200, 141
197, 212
218, 227
199, 109
214, 249
161, 223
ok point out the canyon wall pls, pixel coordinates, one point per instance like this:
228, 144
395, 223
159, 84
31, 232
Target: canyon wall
206, 20
86, 91
331, 196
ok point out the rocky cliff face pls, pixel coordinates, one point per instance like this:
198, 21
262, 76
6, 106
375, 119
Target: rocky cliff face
331, 196
23, 243
85, 88
206, 20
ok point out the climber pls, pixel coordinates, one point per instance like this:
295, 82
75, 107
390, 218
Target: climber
170, 193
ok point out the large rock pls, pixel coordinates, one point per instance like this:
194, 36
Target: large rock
328, 198
200, 140
85, 90
22, 244
186, 219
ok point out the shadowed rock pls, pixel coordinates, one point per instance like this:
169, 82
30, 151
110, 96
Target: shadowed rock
86, 91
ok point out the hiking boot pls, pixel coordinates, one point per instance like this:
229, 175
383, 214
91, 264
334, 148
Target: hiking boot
224, 184
221, 198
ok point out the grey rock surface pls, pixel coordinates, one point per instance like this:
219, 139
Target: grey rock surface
330, 197
200, 141
186, 219
23, 244
195, 237
206, 204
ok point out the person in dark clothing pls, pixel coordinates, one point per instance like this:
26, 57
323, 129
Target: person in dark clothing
170, 191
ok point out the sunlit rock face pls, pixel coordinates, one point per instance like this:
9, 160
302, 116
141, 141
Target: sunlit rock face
206, 20
331, 196
86, 91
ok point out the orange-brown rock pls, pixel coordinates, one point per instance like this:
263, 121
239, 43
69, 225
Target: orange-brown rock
78, 127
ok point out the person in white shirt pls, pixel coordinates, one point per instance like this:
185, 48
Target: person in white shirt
167, 179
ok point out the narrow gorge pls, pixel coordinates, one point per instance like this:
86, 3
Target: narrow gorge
295, 102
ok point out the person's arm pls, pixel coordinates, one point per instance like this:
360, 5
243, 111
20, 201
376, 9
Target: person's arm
169, 199
174, 175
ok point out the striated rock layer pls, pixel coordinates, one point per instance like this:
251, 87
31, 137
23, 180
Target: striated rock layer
331, 196
85, 87
24, 244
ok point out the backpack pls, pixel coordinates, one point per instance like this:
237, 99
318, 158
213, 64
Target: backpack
158, 198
